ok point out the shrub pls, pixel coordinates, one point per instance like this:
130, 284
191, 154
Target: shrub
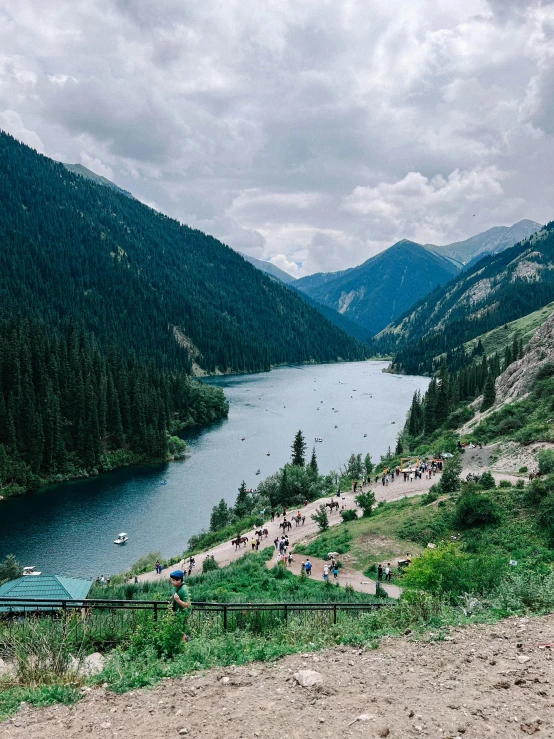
487, 481
366, 501
475, 509
546, 516
321, 518
447, 571
520, 484
545, 459
523, 469
504, 484
209, 565
10, 568
450, 480
349, 515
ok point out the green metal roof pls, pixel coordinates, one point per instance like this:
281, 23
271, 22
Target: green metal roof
48, 587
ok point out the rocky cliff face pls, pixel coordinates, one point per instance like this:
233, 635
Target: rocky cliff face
518, 378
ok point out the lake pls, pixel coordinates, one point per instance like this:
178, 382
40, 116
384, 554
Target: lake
69, 529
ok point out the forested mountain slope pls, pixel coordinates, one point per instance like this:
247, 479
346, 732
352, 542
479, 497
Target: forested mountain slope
89, 175
381, 288
495, 291
139, 279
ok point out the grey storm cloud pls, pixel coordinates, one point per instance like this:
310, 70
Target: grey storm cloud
314, 134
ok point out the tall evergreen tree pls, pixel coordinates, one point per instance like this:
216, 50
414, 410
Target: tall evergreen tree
243, 502
299, 450
313, 463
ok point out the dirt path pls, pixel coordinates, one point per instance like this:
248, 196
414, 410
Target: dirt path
226, 553
486, 681
347, 575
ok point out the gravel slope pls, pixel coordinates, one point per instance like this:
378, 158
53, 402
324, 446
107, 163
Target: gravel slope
485, 681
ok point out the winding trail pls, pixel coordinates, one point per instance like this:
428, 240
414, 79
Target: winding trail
226, 553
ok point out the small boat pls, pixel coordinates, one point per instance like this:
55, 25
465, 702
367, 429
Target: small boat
122, 538
365, 435
30, 571
393, 421
336, 427
258, 472
268, 454
243, 438
163, 482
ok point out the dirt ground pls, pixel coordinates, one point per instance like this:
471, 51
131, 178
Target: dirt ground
482, 681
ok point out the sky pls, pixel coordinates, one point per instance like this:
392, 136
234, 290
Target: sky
312, 133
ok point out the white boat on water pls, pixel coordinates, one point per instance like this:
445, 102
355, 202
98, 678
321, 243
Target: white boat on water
30, 571
122, 538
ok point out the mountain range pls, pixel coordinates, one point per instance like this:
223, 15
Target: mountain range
492, 241
382, 288
493, 292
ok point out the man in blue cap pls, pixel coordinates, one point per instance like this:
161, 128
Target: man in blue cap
180, 602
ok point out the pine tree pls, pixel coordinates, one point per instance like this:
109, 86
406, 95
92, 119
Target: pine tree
243, 502
489, 393
220, 516
313, 463
368, 464
299, 450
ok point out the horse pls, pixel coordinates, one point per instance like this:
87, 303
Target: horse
285, 525
240, 540
299, 520
332, 505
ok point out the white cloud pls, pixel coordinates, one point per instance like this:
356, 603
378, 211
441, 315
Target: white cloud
11, 122
320, 132
280, 260
96, 166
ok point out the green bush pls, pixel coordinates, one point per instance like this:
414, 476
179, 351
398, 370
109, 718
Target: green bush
209, 565
366, 501
523, 469
474, 509
450, 479
321, 518
448, 571
545, 459
546, 516
486, 481
504, 484
349, 515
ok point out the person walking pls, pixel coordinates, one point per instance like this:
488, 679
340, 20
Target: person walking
276, 542
336, 571
387, 572
157, 567
308, 567
180, 602
380, 572
326, 573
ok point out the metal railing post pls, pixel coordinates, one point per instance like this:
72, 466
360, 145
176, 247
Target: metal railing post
155, 612
334, 613
225, 617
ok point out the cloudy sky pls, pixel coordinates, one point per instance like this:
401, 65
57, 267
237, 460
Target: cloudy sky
314, 133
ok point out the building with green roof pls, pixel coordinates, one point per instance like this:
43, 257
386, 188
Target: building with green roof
44, 587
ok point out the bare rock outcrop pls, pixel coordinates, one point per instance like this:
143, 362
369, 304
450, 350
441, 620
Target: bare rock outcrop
518, 378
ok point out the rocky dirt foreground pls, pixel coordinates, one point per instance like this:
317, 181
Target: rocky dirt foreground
483, 681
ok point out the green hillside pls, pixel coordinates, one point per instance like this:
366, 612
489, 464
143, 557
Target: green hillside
498, 339
142, 280
496, 291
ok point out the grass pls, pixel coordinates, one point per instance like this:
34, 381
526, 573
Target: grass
12, 697
246, 580
499, 338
